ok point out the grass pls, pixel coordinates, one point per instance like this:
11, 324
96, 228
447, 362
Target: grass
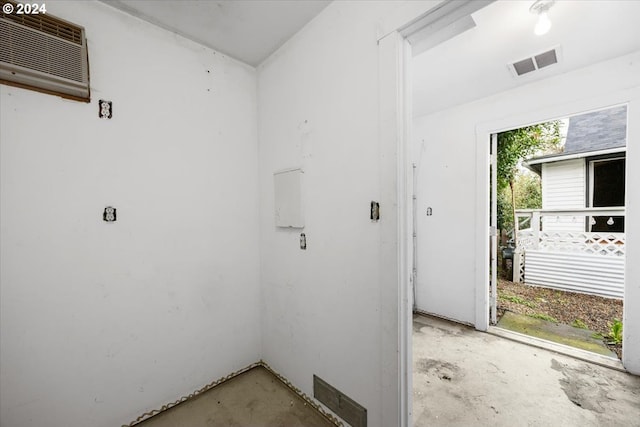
544, 317
529, 326
517, 300
569, 308
579, 324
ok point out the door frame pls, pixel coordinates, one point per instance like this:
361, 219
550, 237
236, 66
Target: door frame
417, 20
493, 228
395, 122
484, 131
396, 189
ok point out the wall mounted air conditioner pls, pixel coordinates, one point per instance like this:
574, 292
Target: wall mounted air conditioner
43, 53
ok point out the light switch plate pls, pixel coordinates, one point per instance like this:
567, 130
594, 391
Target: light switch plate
375, 211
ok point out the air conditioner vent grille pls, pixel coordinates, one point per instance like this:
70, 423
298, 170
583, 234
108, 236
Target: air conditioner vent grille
547, 58
47, 24
43, 53
37, 51
536, 62
524, 66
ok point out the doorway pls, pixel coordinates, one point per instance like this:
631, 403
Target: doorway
557, 230
450, 136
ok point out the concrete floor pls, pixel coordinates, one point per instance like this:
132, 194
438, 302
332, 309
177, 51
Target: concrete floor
462, 377
255, 398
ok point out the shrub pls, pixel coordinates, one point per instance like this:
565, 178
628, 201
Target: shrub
615, 332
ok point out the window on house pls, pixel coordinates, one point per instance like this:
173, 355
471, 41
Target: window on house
607, 190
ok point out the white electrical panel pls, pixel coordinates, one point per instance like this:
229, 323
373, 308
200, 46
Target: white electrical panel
288, 198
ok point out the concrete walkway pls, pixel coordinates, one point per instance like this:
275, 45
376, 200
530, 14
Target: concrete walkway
462, 377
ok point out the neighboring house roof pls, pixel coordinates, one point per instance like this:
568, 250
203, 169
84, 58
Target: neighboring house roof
596, 131
590, 134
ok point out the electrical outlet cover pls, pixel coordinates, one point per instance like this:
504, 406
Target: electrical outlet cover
109, 214
105, 109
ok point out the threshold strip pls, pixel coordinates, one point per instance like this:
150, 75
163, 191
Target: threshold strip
576, 353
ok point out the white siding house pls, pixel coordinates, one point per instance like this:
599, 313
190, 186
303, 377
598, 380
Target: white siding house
563, 187
589, 173
576, 242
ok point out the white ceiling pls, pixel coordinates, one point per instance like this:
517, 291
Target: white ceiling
248, 30
470, 66
474, 64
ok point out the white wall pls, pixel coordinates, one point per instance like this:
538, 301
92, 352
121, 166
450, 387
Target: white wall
454, 170
563, 187
324, 310
101, 322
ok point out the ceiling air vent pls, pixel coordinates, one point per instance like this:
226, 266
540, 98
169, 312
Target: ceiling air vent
536, 62
43, 53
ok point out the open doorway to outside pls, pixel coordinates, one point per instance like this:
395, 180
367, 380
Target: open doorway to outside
558, 239
463, 90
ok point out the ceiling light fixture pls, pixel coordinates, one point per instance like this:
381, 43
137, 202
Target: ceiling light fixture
541, 7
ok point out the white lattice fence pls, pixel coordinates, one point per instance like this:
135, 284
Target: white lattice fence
518, 267
594, 243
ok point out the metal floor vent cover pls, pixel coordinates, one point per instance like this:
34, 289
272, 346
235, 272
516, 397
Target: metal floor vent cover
345, 407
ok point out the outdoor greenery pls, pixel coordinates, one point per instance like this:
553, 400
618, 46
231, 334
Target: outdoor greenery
517, 300
513, 147
579, 324
615, 331
591, 312
527, 193
544, 317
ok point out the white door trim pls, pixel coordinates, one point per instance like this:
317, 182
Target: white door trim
494, 228
631, 97
395, 221
396, 121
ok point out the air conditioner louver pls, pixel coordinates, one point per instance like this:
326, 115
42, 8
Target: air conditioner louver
44, 53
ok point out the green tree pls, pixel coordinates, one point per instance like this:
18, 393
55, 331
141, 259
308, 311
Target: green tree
518, 144
528, 195
528, 191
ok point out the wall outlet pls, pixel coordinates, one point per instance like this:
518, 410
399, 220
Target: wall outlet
105, 109
109, 214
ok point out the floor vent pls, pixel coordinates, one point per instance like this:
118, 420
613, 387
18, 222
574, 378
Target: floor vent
535, 62
345, 407
43, 53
